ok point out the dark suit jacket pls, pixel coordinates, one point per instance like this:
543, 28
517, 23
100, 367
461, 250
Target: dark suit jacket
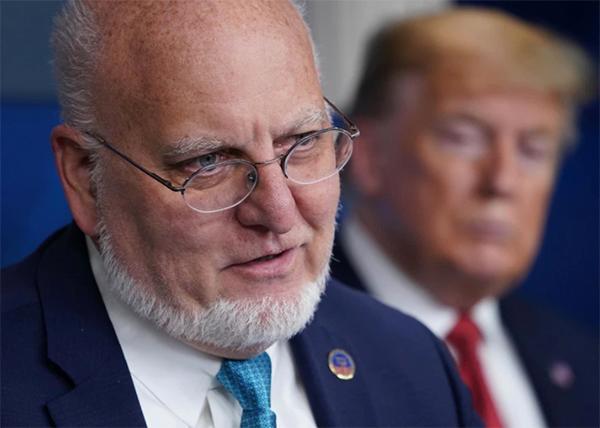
62, 364
546, 345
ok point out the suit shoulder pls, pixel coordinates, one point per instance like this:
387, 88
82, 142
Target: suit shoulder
18, 284
361, 312
544, 326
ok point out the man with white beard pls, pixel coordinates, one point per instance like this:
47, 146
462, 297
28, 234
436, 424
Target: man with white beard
200, 164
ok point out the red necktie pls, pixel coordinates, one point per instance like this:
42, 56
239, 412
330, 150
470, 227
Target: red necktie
464, 338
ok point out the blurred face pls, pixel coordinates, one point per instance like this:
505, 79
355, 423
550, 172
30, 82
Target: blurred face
467, 189
237, 93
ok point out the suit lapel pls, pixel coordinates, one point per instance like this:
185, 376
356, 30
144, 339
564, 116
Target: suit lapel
538, 350
334, 402
81, 341
106, 399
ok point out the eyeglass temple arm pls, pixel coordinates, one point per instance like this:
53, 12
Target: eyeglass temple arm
354, 131
157, 177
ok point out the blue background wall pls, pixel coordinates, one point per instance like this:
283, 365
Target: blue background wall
566, 273
32, 200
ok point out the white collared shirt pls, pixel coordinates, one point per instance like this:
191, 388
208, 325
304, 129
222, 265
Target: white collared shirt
176, 384
506, 377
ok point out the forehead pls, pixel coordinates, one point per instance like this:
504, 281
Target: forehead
205, 58
518, 109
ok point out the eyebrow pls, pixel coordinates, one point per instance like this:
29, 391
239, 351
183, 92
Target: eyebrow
310, 117
462, 117
186, 145
483, 125
467, 118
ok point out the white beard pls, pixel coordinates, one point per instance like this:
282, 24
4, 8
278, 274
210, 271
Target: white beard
234, 325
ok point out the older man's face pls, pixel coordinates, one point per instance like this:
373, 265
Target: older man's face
249, 88
468, 185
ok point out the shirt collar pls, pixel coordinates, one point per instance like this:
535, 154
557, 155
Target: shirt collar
386, 282
176, 374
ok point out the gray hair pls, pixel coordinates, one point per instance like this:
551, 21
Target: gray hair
77, 42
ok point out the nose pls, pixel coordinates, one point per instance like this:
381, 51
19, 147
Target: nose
500, 172
271, 206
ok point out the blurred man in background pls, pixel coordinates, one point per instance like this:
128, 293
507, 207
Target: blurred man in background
465, 118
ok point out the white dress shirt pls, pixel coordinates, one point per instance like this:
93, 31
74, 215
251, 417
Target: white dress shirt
506, 377
176, 384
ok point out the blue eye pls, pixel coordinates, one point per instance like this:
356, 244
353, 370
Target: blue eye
207, 160
211, 165
200, 162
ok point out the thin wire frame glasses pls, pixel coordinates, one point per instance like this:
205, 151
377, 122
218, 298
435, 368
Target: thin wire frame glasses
222, 185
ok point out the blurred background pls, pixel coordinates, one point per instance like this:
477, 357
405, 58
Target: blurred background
566, 273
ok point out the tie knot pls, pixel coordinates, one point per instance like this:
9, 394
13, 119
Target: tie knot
465, 333
249, 381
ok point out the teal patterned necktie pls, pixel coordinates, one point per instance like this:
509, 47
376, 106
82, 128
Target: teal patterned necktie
249, 381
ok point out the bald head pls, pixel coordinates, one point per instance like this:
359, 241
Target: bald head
131, 50
141, 36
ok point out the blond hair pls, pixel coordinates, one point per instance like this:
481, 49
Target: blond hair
473, 49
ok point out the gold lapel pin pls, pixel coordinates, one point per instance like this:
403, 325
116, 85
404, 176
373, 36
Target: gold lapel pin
341, 364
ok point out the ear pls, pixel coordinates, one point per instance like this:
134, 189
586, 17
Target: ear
74, 168
365, 166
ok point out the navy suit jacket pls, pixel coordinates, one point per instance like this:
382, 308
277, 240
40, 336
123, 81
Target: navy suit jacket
546, 345
62, 364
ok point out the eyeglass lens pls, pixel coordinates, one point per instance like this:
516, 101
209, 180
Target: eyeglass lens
226, 184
